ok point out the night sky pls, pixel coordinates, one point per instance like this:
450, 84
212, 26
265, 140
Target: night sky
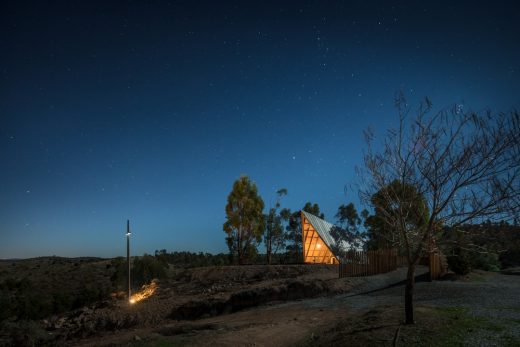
116, 110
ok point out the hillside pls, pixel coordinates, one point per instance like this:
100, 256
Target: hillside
58, 300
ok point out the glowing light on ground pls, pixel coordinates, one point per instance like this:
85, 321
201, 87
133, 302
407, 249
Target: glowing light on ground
146, 291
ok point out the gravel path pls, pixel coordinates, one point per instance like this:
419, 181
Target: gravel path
495, 297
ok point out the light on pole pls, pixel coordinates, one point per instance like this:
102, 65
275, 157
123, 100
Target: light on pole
128, 233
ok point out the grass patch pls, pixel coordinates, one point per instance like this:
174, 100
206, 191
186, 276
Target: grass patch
436, 326
476, 278
511, 341
509, 308
460, 325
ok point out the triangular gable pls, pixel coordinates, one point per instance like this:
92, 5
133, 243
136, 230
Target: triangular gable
322, 227
315, 250
333, 238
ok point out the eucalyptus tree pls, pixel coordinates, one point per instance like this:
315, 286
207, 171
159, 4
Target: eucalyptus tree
349, 219
244, 220
274, 236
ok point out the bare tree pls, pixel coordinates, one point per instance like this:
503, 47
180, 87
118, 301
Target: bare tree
447, 169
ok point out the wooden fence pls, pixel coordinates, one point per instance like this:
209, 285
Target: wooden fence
436, 265
356, 263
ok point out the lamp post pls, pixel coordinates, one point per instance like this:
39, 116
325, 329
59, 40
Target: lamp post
128, 233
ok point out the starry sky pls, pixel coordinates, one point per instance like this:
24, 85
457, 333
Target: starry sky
149, 110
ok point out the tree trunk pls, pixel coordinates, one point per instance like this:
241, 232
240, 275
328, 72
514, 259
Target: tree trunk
408, 294
268, 251
239, 247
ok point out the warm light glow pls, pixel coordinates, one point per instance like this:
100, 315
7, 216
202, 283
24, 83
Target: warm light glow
318, 245
146, 291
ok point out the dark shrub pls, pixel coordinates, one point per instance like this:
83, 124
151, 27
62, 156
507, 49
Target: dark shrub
89, 295
511, 257
146, 268
6, 305
32, 305
61, 302
24, 333
118, 277
485, 261
459, 264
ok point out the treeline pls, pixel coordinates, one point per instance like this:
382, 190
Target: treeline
486, 246
247, 225
192, 259
280, 230
200, 259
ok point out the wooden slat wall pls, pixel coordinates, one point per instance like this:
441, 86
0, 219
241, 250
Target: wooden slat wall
401, 260
356, 263
436, 267
315, 250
